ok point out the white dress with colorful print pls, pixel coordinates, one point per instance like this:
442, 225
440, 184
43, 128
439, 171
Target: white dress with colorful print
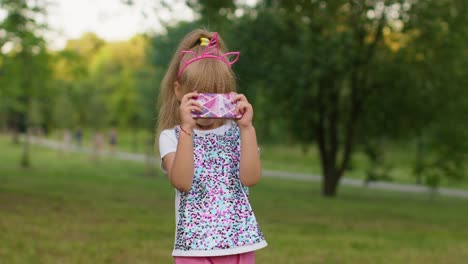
215, 217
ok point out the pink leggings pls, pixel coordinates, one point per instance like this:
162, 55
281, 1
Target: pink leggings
244, 258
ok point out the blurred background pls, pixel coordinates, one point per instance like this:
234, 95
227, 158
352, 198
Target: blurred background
360, 109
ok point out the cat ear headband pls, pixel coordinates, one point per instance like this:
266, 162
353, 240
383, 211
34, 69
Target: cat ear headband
211, 51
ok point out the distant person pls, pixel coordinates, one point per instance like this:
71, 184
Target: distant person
206, 161
79, 136
98, 144
113, 140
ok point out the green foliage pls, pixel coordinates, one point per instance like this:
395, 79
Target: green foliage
24, 59
214, 14
425, 90
163, 46
64, 114
379, 169
103, 84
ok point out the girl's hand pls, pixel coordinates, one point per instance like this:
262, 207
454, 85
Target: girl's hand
244, 108
187, 106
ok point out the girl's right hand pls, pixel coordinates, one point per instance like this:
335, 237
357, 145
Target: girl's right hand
188, 105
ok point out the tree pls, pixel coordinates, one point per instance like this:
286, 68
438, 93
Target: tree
322, 53
435, 57
25, 66
70, 73
73, 84
116, 68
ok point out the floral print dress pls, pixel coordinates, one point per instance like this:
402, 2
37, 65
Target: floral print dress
215, 217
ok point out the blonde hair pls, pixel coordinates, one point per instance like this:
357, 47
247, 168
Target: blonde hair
204, 76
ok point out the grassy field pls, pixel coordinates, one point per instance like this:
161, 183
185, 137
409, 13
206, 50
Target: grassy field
291, 158
69, 209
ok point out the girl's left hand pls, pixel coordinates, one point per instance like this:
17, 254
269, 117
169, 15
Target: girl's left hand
244, 108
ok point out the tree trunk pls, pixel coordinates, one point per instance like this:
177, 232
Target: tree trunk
330, 183
15, 136
339, 111
419, 159
15, 129
329, 131
25, 161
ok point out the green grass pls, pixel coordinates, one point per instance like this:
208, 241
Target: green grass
292, 158
69, 209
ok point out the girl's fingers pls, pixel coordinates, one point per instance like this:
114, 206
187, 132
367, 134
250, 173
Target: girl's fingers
238, 97
191, 102
194, 109
188, 96
242, 107
197, 104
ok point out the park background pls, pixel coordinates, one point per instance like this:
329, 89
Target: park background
348, 94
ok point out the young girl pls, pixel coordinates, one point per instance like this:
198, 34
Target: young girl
210, 162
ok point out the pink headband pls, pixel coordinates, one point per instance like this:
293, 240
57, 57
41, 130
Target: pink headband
211, 51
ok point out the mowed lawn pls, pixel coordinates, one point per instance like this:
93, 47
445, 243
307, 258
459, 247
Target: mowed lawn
68, 209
